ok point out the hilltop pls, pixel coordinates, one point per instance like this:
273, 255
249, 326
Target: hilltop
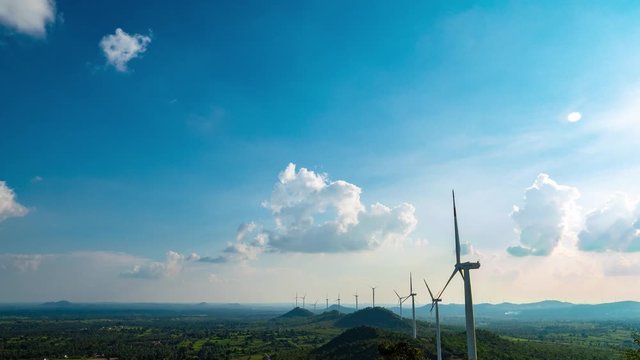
376, 317
296, 313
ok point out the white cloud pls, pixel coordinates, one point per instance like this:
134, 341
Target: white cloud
314, 214
9, 207
27, 16
157, 270
574, 117
615, 226
543, 219
121, 47
238, 251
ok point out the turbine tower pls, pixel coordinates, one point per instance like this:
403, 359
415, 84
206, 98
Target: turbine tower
296, 299
463, 269
373, 291
327, 299
303, 299
413, 305
400, 301
356, 295
338, 300
314, 306
434, 303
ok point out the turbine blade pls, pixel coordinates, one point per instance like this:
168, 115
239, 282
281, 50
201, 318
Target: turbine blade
433, 303
396, 294
461, 273
430, 293
455, 224
448, 281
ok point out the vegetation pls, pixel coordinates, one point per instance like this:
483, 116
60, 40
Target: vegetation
634, 354
366, 334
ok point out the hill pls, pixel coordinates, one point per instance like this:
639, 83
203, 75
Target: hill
296, 313
366, 342
376, 317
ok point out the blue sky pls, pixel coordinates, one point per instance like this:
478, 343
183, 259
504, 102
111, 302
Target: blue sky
135, 169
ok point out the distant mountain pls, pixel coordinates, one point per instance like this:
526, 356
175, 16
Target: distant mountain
329, 315
376, 317
342, 309
543, 310
296, 313
61, 303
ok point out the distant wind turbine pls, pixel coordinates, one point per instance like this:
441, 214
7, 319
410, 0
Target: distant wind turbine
314, 305
327, 299
463, 269
434, 303
373, 292
296, 299
338, 300
400, 301
303, 299
413, 305
356, 295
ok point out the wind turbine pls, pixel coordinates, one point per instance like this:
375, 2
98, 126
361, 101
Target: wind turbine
314, 306
373, 291
296, 299
413, 305
303, 299
400, 301
338, 300
463, 269
356, 295
434, 303
327, 299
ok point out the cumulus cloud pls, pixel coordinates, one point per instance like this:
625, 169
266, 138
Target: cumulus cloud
615, 226
120, 48
314, 214
242, 249
27, 16
542, 220
157, 270
9, 207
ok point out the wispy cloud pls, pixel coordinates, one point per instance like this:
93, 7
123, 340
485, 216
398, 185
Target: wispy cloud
120, 48
9, 207
21, 262
157, 270
27, 16
542, 219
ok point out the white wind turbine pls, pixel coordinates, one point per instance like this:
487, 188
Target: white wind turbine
413, 305
400, 301
314, 306
303, 299
296, 299
327, 299
338, 300
463, 269
434, 303
373, 292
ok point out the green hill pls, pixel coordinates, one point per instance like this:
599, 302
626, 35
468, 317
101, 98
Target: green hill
296, 313
366, 342
376, 317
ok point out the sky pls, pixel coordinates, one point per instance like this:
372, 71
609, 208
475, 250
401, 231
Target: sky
213, 151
